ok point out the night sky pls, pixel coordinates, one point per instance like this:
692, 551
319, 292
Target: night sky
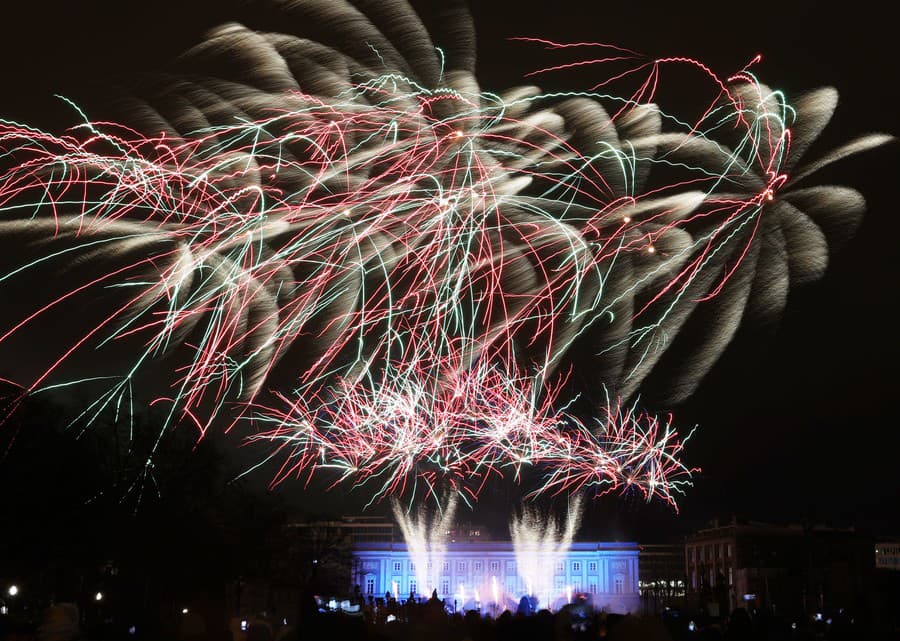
799, 424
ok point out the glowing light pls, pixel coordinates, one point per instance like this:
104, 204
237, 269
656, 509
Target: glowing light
426, 541
540, 545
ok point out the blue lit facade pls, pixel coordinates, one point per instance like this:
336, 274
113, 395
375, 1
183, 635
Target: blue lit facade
606, 573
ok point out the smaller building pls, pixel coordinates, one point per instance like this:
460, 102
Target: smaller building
468, 531
887, 555
662, 579
355, 529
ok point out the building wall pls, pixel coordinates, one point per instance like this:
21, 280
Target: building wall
711, 565
606, 573
662, 576
887, 555
796, 568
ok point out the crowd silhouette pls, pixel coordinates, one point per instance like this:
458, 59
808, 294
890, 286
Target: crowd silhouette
418, 619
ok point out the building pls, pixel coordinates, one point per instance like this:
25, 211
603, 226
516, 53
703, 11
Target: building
661, 577
887, 555
311, 554
606, 573
353, 529
886, 587
710, 566
790, 568
468, 531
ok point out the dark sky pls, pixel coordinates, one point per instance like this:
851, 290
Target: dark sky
800, 424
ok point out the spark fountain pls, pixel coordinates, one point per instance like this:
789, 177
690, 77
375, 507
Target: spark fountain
426, 541
539, 546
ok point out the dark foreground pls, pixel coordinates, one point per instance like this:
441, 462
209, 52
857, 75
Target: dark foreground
431, 622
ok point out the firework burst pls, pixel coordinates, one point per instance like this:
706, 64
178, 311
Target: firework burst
390, 273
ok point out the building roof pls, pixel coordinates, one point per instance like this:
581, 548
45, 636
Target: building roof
496, 546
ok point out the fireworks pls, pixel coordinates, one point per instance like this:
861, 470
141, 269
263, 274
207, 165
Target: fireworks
539, 543
391, 274
486, 426
426, 542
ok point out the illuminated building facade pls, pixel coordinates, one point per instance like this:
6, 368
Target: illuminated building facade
605, 573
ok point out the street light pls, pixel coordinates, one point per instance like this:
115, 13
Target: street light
13, 590
98, 596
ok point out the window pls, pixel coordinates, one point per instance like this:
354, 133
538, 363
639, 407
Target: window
576, 586
576, 566
476, 566
495, 566
728, 550
510, 568
412, 586
592, 566
460, 566
370, 585
592, 588
619, 584
397, 566
692, 554
560, 568
446, 566
412, 566
730, 576
445, 586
